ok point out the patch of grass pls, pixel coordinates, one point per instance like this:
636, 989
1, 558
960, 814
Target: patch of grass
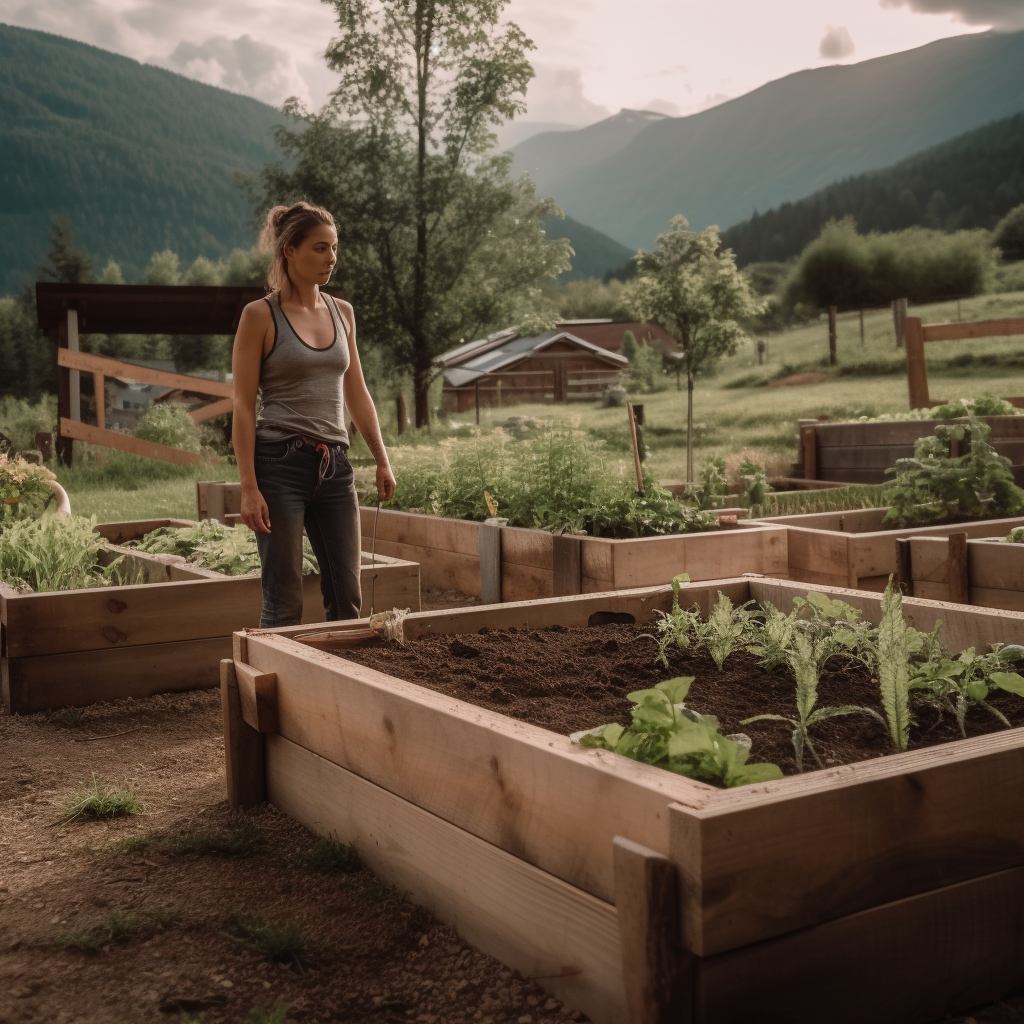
328, 856
280, 942
116, 929
68, 718
239, 838
378, 891
268, 1015
97, 800
748, 380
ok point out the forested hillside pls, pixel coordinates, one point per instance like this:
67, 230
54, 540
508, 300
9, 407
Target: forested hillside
136, 158
969, 182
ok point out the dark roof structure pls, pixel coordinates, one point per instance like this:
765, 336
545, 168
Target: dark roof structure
146, 308
501, 351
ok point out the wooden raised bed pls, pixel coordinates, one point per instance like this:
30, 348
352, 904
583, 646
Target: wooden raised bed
635, 894
853, 549
862, 452
957, 568
80, 647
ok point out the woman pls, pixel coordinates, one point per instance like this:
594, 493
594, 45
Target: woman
297, 347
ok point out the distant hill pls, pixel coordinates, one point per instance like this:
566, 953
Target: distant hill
596, 254
138, 159
969, 182
780, 142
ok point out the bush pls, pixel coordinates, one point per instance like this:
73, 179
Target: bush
646, 373
170, 425
1009, 234
21, 420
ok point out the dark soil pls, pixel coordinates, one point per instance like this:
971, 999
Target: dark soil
571, 679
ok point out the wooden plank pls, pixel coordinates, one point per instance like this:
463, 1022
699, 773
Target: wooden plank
858, 520
986, 597
537, 925
141, 374
125, 443
809, 450
257, 693
442, 570
956, 573
596, 559
567, 567
215, 501
421, 530
244, 749
928, 559
915, 960
89, 677
208, 412
996, 566
100, 399
119, 533
979, 329
526, 547
917, 368
869, 456
656, 970
524, 582
490, 563
813, 554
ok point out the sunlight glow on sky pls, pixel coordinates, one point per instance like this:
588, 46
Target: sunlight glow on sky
593, 57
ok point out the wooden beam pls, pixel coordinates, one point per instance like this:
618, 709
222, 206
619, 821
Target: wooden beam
101, 401
63, 446
207, 412
809, 448
656, 970
257, 693
832, 335
980, 329
74, 377
125, 443
917, 368
490, 563
959, 587
141, 374
244, 749
535, 923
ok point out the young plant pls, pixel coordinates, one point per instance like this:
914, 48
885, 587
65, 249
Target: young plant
328, 856
897, 644
281, 943
714, 483
771, 637
725, 628
96, 800
666, 734
755, 483
805, 667
51, 553
677, 627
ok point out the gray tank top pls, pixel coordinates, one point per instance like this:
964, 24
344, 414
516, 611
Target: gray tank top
301, 387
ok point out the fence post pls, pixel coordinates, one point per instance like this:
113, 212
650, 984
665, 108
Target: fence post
862, 325
403, 416
832, 310
809, 448
917, 370
899, 321
490, 563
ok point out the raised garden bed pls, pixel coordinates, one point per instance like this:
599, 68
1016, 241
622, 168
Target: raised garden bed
628, 891
856, 549
862, 452
966, 568
80, 647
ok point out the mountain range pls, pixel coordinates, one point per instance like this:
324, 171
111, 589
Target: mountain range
628, 175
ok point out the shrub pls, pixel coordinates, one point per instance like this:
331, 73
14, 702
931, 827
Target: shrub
24, 490
21, 420
1009, 234
51, 553
170, 425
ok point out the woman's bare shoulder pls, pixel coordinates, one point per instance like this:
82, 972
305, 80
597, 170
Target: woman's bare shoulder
256, 312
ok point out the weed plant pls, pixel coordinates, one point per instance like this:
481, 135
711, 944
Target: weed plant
559, 479
117, 929
268, 1015
68, 718
278, 942
97, 800
328, 856
53, 553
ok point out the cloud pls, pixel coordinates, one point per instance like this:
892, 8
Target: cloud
836, 43
660, 106
243, 65
556, 94
1000, 14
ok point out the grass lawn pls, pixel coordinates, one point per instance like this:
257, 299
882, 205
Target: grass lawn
736, 413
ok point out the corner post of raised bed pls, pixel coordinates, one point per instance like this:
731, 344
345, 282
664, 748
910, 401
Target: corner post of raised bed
809, 448
490, 563
917, 369
656, 969
904, 567
957, 571
566, 565
243, 746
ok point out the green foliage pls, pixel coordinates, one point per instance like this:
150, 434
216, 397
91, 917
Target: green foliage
328, 856
724, 629
897, 643
666, 734
116, 929
21, 419
646, 373
268, 1015
25, 490
279, 942
98, 800
714, 483
170, 425
838, 500
65, 263
755, 483
677, 627
53, 553
773, 639
1009, 234
843, 268
691, 286
590, 299
212, 545
968, 182
936, 485
557, 479
28, 359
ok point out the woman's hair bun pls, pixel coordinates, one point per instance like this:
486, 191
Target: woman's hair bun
288, 225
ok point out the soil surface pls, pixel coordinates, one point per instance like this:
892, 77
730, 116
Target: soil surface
572, 679
366, 954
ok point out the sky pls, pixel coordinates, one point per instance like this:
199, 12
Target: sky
592, 57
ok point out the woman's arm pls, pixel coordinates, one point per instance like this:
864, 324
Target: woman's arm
246, 359
361, 409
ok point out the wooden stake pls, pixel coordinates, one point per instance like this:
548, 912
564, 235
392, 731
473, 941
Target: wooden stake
899, 321
636, 449
917, 369
959, 586
402, 415
490, 563
655, 968
101, 412
243, 746
904, 567
862, 326
809, 447
832, 311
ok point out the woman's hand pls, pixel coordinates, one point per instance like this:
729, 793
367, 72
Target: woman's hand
255, 513
385, 482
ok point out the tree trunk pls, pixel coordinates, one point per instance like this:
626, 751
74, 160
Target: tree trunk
689, 428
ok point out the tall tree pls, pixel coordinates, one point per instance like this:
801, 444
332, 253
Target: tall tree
65, 263
436, 241
691, 287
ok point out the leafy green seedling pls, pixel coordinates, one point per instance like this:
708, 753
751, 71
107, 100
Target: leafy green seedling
806, 670
279, 942
116, 929
897, 644
725, 628
677, 627
96, 800
268, 1015
771, 638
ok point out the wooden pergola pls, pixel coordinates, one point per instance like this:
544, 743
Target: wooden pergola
67, 311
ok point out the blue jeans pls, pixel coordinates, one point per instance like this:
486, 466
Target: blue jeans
288, 475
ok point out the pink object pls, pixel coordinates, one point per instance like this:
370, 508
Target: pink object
63, 501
